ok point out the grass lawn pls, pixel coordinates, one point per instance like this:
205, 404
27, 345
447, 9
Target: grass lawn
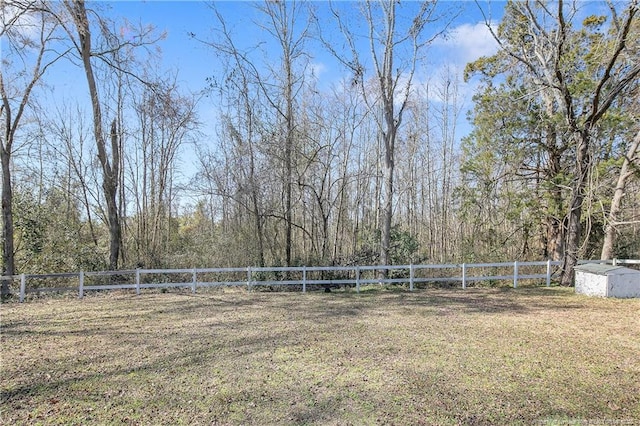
436, 357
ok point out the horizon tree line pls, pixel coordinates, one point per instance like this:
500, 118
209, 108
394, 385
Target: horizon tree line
370, 170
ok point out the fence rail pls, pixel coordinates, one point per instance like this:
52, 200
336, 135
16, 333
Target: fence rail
300, 275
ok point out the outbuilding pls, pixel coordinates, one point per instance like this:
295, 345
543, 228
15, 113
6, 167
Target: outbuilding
595, 279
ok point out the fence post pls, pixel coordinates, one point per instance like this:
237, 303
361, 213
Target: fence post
81, 286
23, 286
137, 281
357, 279
515, 274
548, 272
411, 277
194, 281
464, 275
248, 278
304, 279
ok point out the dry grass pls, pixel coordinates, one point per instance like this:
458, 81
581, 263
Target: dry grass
480, 356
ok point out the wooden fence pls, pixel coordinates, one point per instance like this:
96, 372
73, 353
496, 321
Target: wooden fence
302, 276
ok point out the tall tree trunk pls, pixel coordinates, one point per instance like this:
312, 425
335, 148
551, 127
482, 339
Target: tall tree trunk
110, 186
555, 237
109, 171
38, 45
289, 142
257, 216
616, 203
574, 228
387, 192
8, 260
288, 168
391, 123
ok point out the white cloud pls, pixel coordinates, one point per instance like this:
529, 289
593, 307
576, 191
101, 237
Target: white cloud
316, 69
16, 21
464, 44
468, 42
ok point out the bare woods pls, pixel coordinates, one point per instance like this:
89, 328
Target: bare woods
334, 139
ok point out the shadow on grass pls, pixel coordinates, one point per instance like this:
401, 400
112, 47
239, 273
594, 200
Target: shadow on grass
183, 344
344, 305
446, 301
190, 351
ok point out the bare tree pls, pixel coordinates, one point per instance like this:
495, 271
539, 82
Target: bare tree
283, 22
109, 154
69, 137
29, 32
393, 76
165, 120
242, 128
109, 165
279, 84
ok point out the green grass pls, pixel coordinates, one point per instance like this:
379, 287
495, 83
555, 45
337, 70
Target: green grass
480, 356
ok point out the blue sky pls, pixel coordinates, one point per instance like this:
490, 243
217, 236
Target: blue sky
467, 38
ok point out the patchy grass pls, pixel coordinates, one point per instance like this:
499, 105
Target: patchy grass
480, 356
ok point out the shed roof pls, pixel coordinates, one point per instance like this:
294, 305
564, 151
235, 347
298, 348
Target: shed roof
599, 269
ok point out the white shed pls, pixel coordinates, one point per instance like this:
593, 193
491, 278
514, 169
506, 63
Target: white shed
607, 281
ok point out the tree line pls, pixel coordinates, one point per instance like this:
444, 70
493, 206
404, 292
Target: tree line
369, 170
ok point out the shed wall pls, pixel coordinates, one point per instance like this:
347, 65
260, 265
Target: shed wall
624, 285
591, 284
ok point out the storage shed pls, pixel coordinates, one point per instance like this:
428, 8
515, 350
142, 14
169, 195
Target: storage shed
607, 280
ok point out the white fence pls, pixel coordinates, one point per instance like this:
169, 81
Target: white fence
138, 279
